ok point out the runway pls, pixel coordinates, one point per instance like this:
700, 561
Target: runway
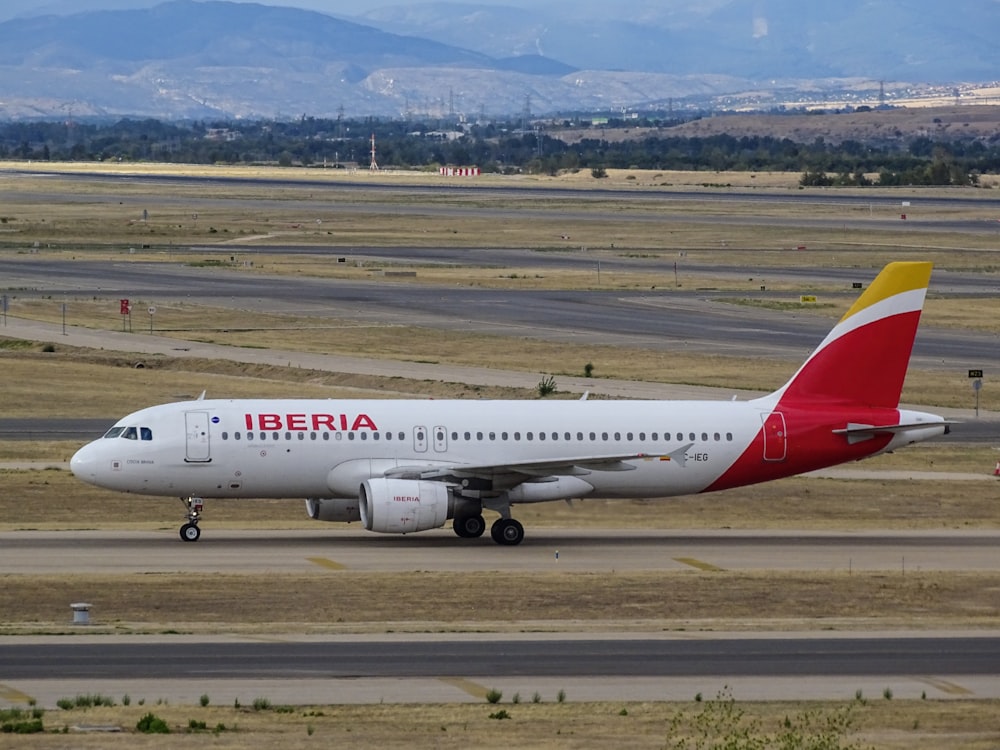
457, 668
543, 550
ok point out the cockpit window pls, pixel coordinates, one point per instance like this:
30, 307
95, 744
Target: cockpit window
114, 432
130, 433
145, 433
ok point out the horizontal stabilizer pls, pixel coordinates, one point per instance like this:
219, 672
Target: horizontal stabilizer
857, 433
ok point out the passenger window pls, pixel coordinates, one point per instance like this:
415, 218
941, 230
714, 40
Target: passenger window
579, 436
236, 436
145, 433
718, 437
503, 435
729, 436
618, 436
529, 436
604, 436
704, 437
628, 436
517, 435
541, 436
225, 436
593, 436
468, 436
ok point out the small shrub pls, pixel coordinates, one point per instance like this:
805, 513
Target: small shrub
49, 348
197, 726
598, 173
697, 698
152, 724
18, 721
261, 704
588, 370
66, 704
126, 700
310, 729
561, 696
536, 697
516, 698
623, 712
204, 700
887, 693
501, 714
546, 386
493, 696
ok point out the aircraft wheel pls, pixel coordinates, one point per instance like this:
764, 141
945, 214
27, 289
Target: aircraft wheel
507, 532
190, 532
469, 527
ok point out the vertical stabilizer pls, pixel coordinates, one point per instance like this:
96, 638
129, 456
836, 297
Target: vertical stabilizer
863, 360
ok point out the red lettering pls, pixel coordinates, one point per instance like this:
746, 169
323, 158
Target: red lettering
309, 421
323, 422
269, 421
363, 422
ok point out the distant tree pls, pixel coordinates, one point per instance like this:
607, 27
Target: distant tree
815, 179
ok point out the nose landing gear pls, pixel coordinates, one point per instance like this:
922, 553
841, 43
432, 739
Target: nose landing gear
190, 532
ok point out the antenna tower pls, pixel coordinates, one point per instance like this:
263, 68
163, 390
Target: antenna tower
374, 165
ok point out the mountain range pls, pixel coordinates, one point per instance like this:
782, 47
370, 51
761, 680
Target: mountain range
184, 59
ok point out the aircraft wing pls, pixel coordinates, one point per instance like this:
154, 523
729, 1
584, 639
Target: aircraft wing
535, 470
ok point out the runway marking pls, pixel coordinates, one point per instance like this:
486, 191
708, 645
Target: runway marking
708, 567
945, 686
326, 563
466, 686
13, 695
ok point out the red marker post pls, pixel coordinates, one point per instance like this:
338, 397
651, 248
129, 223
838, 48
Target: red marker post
125, 310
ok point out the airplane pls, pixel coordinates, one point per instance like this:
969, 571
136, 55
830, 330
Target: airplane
403, 466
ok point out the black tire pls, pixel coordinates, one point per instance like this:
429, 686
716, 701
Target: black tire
190, 532
469, 527
507, 532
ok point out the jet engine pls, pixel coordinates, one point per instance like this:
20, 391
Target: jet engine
402, 506
333, 509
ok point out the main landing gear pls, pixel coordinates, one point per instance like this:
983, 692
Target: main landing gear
505, 531
190, 531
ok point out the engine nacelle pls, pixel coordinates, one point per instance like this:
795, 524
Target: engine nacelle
402, 506
340, 509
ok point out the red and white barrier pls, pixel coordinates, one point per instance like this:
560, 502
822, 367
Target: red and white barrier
460, 171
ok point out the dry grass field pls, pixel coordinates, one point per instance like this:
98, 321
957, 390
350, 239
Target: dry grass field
872, 722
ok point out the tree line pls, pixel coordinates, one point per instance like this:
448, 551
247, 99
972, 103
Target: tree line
497, 147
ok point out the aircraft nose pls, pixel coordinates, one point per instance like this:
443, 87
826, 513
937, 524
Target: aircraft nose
82, 463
